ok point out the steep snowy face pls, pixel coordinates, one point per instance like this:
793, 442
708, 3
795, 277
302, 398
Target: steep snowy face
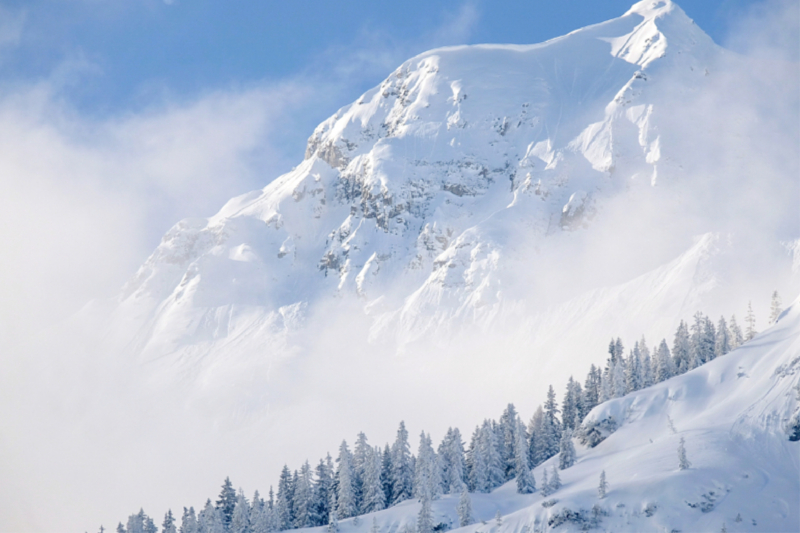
422, 186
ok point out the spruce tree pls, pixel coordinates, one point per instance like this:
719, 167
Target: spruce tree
722, 344
402, 471
386, 474
569, 406
283, 513
546, 488
188, 521
736, 333
536, 438
425, 516
321, 492
373, 498
618, 379
345, 498
464, 510
601, 490
555, 481
647, 377
665, 364
566, 454
750, 321
683, 462
375, 528
525, 481
333, 520
552, 426
489, 450
240, 521
226, 503
360, 452
302, 499
210, 519
168, 526
507, 441
709, 340
633, 370
681, 348
775, 309
451, 457
591, 390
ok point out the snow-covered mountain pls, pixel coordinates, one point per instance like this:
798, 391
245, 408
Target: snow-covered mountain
475, 185
485, 220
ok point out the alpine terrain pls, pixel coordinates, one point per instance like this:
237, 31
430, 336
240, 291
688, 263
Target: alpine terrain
476, 228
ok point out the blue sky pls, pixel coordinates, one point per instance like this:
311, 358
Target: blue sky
133, 53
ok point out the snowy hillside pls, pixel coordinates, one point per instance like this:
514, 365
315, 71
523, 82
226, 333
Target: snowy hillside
734, 415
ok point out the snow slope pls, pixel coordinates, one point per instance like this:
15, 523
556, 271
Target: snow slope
733, 414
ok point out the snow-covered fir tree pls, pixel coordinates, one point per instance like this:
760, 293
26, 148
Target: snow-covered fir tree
665, 364
302, 499
618, 382
775, 308
283, 504
451, 457
506, 441
240, 521
386, 474
321, 489
333, 519
572, 405
591, 389
140, 523
373, 497
603, 487
168, 526
486, 472
722, 344
681, 348
489, 447
345, 497
750, 323
525, 481
709, 340
375, 528
552, 426
361, 451
427, 476
464, 510
188, 521
647, 376
566, 453
546, 489
402, 470
555, 481
210, 520
536, 438
425, 516
683, 461
737, 338
226, 502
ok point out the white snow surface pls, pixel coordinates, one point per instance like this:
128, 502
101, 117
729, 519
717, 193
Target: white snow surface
733, 414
